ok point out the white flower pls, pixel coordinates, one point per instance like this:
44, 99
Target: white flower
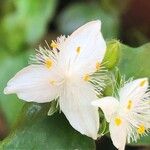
64, 72
128, 115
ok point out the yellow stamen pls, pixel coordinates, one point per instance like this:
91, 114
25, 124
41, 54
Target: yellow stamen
52, 82
78, 50
141, 129
48, 63
86, 77
54, 44
129, 105
118, 121
142, 83
98, 65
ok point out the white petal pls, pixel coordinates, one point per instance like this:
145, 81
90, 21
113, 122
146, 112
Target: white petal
108, 105
134, 90
89, 40
118, 134
33, 84
75, 102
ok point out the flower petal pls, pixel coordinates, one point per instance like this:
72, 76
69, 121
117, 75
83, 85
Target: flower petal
118, 134
75, 102
108, 105
84, 48
33, 84
134, 90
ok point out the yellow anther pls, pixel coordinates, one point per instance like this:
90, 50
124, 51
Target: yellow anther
142, 83
86, 77
98, 65
141, 129
48, 63
52, 82
118, 121
54, 44
129, 105
78, 50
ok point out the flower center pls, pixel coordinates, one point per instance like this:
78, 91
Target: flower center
118, 121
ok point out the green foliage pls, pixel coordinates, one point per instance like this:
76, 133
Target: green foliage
114, 6
104, 125
135, 62
143, 141
78, 14
36, 130
54, 107
112, 54
26, 24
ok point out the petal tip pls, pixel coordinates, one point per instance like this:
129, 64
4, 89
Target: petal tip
96, 23
94, 137
6, 91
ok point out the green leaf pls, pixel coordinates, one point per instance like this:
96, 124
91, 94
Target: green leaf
80, 13
10, 104
26, 24
143, 141
115, 6
135, 62
104, 126
38, 131
112, 54
54, 107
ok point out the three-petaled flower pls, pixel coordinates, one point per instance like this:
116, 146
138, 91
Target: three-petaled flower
64, 72
128, 115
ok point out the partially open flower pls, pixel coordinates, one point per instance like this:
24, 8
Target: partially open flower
128, 115
65, 72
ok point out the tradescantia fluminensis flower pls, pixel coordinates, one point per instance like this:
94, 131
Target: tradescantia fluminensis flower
65, 71
129, 114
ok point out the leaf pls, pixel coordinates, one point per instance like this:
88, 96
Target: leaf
54, 107
112, 54
10, 104
26, 24
38, 131
135, 62
145, 140
80, 13
104, 126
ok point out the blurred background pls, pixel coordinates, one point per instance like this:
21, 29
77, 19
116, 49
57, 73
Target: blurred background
25, 24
